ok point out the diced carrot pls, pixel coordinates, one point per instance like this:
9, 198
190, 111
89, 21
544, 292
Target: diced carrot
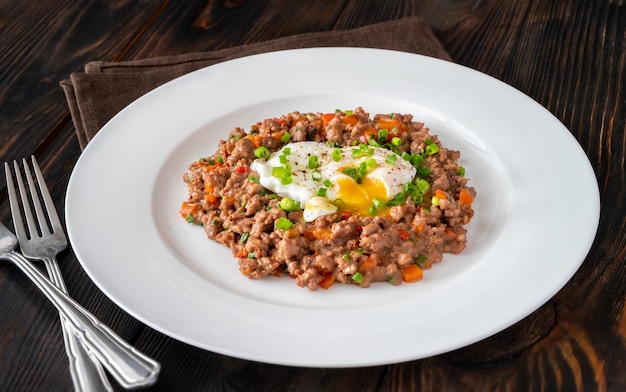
211, 199
349, 120
278, 135
412, 273
439, 194
369, 264
370, 132
321, 233
187, 208
390, 124
327, 281
256, 139
327, 117
292, 233
208, 196
465, 198
242, 252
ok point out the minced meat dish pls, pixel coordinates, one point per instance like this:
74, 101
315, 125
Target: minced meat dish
330, 198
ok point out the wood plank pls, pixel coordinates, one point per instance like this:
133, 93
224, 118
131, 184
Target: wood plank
32, 111
67, 34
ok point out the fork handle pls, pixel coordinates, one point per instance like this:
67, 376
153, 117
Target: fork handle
86, 371
129, 366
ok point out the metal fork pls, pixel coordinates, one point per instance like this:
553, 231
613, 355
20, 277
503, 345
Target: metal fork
86, 371
43, 242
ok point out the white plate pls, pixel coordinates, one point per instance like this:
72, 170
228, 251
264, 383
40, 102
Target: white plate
536, 212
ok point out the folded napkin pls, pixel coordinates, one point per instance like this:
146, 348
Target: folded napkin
105, 88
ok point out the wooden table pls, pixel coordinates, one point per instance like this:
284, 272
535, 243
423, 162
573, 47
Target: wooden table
570, 56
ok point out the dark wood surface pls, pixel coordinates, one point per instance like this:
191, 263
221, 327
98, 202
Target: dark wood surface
570, 56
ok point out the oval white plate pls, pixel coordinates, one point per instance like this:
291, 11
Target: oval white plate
527, 239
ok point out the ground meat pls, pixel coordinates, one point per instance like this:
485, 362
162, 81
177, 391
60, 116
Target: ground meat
413, 229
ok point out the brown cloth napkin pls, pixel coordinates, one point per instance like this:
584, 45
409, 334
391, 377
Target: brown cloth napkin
105, 88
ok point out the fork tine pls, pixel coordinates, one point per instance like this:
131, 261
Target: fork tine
18, 222
41, 218
47, 199
28, 213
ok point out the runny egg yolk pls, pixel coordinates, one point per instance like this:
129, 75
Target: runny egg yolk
359, 198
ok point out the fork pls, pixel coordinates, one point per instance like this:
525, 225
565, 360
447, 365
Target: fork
127, 365
86, 371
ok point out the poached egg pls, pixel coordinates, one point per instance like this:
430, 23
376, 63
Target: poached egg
324, 179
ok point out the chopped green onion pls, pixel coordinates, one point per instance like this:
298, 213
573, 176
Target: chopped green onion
286, 179
328, 183
314, 161
391, 159
423, 171
316, 175
253, 179
373, 142
397, 200
262, 152
322, 192
376, 204
357, 277
370, 162
286, 151
251, 255
277, 171
348, 112
244, 237
288, 204
396, 141
336, 154
189, 218
461, 171
285, 138
383, 135
346, 256
432, 149
220, 160
422, 185
356, 175
362, 171
434, 201
283, 223
282, 159
362, 150
338, 203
